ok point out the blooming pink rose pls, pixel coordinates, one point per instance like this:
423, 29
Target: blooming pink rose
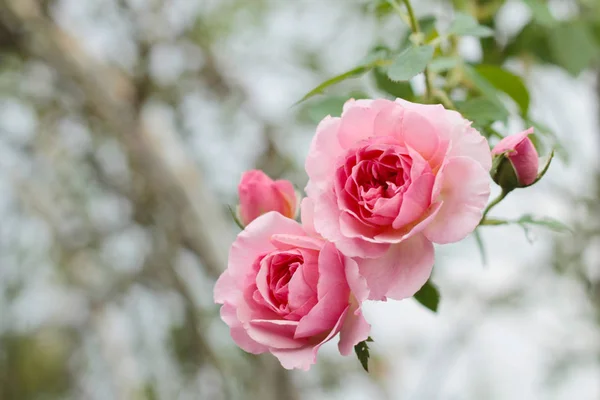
523, 157
388, 178
287, 292
259, 194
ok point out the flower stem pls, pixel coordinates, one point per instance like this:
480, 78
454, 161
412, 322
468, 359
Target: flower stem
494, 202
414, 23
414, 26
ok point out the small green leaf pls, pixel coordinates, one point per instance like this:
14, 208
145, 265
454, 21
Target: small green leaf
428, 296
442, 64
547, 222
410, 63
466, 25
508, 83
482, 111
362, 352
396, 89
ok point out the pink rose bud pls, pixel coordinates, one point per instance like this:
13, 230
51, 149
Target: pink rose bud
516, 161
259, 194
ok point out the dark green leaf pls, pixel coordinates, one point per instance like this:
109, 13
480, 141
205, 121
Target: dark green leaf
508, 83
466, 25
547, 222
572, 46
410, 63
428, 296
482, 85
482, 111
541, 13
362, 352
396, 89
532, 40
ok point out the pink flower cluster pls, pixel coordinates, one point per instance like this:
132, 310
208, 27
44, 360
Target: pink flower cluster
387, 179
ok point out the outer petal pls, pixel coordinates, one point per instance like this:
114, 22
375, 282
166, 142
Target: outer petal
510, 142
278, 334
238, 333
226, 289
256, 240
324, 150
307, 216
465, 191
401, 272
358, 121
450, 125
333, 294
467, 141
354, 330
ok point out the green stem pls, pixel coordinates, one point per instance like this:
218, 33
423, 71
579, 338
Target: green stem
414, 26
494, 202
414, 23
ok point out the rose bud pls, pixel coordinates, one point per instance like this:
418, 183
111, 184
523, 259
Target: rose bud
515, 161
259, 194
288, 292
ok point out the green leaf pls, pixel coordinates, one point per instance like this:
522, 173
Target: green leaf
572, 46
442, 64
353, 73
483, 86
540, 12
466, 25
508, 83
396, 89
546, 222
410, 63
362, 352
482, 111
428, 296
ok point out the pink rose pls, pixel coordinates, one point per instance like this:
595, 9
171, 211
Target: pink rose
388, 178
518, 166
287, 292
259, 194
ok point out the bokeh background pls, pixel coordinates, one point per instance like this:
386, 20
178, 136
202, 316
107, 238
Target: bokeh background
125, 126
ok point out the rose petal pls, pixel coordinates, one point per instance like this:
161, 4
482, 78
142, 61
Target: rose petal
238, 333
401, 272
278, 334
327, 223
255, 240
465, 191
354, 330
324, 150
304, 357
